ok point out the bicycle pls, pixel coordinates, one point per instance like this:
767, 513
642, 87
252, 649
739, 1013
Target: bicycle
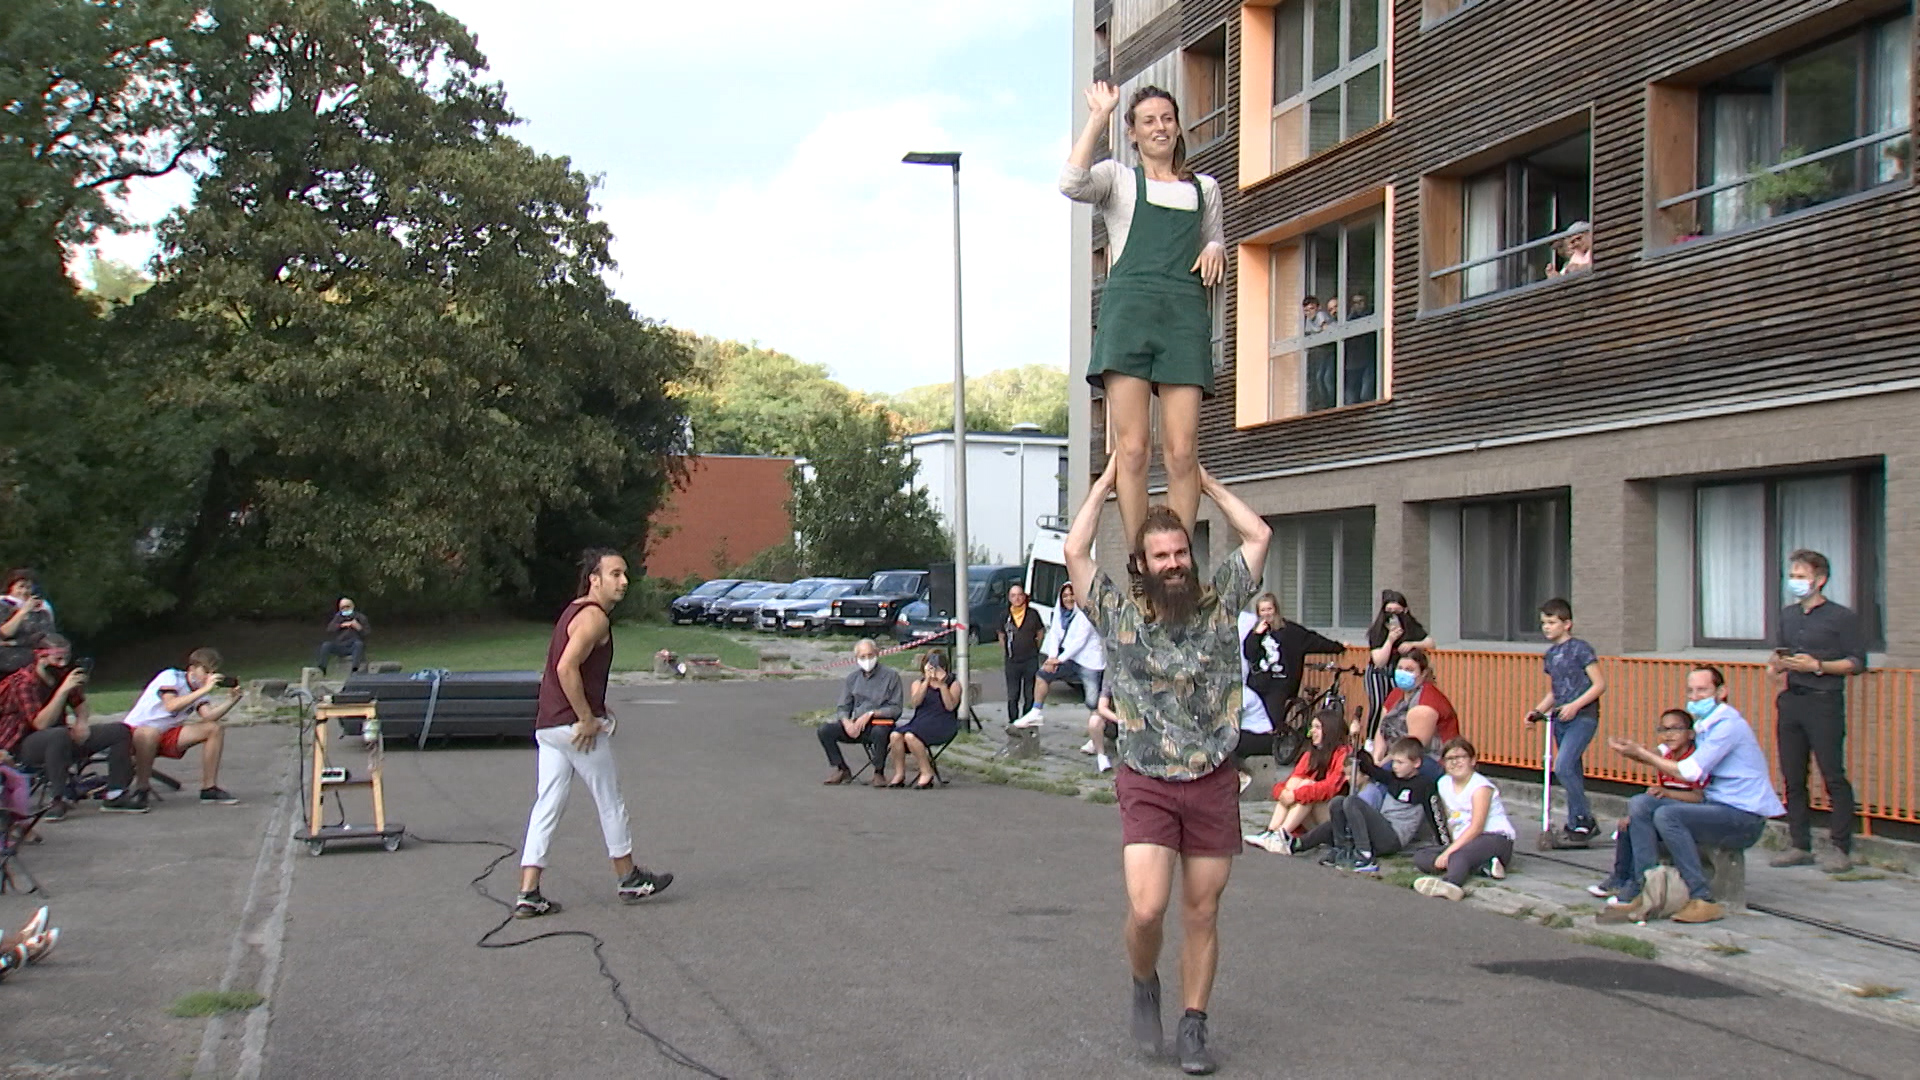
1290, 731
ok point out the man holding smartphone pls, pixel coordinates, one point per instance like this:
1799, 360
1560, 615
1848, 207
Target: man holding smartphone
174, 714
44, 720
1820, 645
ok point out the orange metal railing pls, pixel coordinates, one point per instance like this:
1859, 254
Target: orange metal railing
1492, 692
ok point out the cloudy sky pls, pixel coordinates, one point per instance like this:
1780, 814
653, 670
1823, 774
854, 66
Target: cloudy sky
750, 155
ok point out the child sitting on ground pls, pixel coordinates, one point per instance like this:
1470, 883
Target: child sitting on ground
1361, 834
1481, 834
1676, 742
1318, 776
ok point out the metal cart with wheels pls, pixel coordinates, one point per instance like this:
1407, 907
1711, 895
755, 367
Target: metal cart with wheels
319, 834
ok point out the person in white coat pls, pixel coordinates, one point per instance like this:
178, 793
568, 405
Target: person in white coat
1071, 651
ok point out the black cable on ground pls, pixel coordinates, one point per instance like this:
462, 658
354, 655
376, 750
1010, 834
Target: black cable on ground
507, 851
1821, 924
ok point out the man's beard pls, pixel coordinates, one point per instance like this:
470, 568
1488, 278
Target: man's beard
1172, 594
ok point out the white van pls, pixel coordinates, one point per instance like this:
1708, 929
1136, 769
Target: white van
1047, 565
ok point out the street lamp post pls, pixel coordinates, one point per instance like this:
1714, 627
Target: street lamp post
962, 616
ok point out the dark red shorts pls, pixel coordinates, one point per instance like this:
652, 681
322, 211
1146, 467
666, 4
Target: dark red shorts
1193, 817
170, 743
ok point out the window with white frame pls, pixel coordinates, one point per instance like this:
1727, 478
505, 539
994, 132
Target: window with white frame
1320, 567
1744, 532
1329, 74
1327, 329
1515, 554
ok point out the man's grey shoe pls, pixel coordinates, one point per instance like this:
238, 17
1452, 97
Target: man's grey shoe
1836, 862
1195, 1060
1146, 1016
1793, 856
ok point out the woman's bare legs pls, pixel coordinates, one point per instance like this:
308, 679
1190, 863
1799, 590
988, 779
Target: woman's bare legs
897, 758
1129, 401
1179, 449
922, 761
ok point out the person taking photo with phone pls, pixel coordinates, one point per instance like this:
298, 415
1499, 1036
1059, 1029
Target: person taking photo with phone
177, 712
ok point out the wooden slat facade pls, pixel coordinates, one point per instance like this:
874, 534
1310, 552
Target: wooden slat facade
1817, 301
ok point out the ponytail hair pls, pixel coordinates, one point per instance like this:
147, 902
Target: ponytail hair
1148, 93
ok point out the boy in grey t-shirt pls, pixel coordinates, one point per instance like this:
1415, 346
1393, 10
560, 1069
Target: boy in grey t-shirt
1572, 704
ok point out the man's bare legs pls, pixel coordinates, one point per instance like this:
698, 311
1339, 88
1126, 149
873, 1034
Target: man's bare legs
1129, 405
1148, 869
210, 737
1179, 450
1202, 880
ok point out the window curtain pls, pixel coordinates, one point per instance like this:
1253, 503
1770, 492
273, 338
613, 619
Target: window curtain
1485, 197
1817, 514
1889, 78
1730, 561
1740, 144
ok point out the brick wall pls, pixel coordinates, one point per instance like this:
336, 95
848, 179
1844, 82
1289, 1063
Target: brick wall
731, 509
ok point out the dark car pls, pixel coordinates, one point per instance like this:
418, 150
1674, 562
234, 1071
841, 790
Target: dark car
808, 615
772, 614
986, 607
692, 607
738, 591
742, 609
878, 603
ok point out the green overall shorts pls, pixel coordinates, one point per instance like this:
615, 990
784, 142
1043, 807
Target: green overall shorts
1154, 322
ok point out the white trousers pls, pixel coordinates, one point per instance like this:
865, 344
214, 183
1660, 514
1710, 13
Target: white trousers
558, 762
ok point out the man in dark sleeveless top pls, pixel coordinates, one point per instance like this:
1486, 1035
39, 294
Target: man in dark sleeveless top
572, 730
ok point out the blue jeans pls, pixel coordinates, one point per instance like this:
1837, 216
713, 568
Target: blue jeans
1375, 795
1570, 739
1683, 827
1088, 678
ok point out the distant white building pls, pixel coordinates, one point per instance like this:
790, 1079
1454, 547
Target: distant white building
1013, 478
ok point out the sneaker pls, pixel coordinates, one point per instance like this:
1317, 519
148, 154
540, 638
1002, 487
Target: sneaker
1439, 887
56, 812
1581, 832
1088, 748
1031, 718
1146, 1016
1792, 857
1268, 840
642, 883
1835, 862
1195, 1060
1497, 869
1103, 763
35, 924
1700, 911
216, 795
40, 946
128, 802
1333, 856
531, 905
1365, 863
1603, 891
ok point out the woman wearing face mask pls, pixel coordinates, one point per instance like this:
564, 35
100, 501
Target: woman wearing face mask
1416, 708
1155, 336
1394, 633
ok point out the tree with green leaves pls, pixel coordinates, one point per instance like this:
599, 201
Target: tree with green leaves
858, 506
743, 399
996, 401
381, 331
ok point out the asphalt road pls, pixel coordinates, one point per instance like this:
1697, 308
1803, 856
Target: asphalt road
971, 931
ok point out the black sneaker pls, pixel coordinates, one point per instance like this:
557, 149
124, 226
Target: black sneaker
1332, 857
56, 812
1146, 1016
1194, 1058
531, 905
217, 795
1582, 831
641, 883
127, 802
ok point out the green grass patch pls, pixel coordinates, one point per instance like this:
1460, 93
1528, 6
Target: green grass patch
1875, 991
215, 1002
1632, 946
1400, 876
1101, 796
1857, 875
1051, 787
1554, 920
1726, 948
1521, 913
994, 774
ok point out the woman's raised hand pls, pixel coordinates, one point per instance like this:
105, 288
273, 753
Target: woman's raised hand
1103, 98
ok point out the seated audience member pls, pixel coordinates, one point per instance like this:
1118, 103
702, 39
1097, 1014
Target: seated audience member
1737, 801
1273, 654
870, 703
44, 724
1073, 652
934, 698
346, 636
176, 713
1103, 730
1361, 834
1481, 833
30, 944
25, 618
1416, 708
1676, 743
1318, 776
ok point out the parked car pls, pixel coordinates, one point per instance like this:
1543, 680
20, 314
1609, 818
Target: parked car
878, 602
808, 615
692, 607
986, 607
739, 591
743, 609
772, 615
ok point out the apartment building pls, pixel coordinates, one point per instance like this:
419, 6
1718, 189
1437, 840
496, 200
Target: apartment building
1483, 424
